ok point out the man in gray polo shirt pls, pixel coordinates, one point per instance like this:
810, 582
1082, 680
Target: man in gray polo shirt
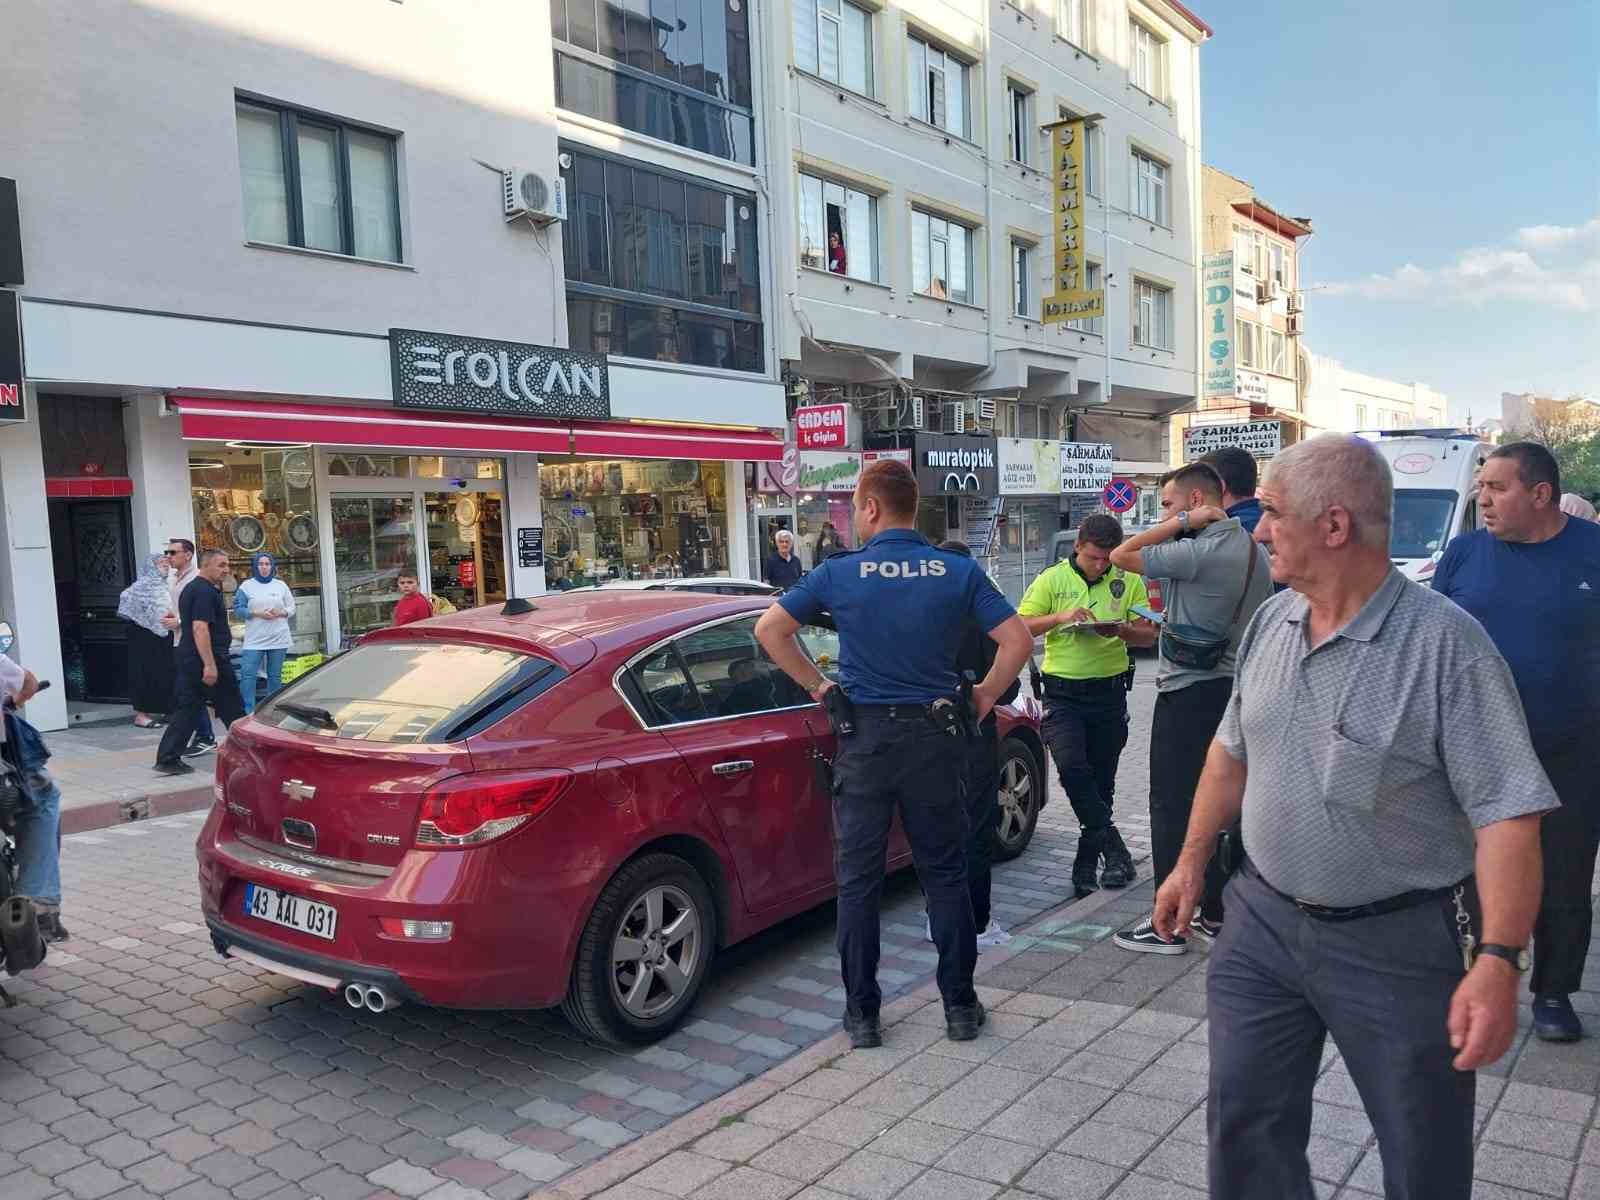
1213, 579
1378, 755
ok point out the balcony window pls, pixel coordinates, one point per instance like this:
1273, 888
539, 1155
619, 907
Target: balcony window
937, 85
1150, 198
833, 40
1152, 315
941, 258
838, 229
1147, 60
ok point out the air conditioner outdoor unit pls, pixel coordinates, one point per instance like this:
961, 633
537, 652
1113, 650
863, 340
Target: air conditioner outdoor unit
1297, 324
540, 198
1297, 302
986, 409
1266, 291
918, 413
954, 414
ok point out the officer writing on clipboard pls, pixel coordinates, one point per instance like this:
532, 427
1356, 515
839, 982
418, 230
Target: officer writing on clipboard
900, 607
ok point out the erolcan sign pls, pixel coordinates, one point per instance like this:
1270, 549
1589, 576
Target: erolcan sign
464, 374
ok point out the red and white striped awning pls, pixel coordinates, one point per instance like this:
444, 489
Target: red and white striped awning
204, 418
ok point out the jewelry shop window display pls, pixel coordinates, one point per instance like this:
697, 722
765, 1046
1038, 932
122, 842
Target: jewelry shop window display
439, 516
249, 502
633, 519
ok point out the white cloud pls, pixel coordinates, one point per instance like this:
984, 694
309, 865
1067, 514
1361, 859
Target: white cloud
1554, 266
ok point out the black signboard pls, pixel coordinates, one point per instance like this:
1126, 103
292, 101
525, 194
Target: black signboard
955, 465
530, 547
10, 236
12, 406
467, 374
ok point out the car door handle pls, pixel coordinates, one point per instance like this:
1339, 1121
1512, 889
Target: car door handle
738, 767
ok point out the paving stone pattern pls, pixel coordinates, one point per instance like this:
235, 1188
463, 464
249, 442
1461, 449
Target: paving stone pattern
1088, 1083
139, 1063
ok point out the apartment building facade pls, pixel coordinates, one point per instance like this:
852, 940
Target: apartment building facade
908, 170
293, 284
1338, 399
1254, 316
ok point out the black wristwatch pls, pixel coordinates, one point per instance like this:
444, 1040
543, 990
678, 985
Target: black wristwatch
1517, 956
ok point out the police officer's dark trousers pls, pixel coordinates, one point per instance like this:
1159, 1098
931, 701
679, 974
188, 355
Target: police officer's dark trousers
1086, 727
1569, 838
899, 758
982, 794
1279, 982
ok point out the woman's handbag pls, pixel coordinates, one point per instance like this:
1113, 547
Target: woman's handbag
1199, 649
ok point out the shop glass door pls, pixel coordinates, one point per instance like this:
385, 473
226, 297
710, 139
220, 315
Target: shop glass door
466, 548
374, 541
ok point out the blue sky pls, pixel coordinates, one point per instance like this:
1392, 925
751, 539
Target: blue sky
1449, 157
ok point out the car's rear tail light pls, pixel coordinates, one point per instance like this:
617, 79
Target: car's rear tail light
416, 931
468, 810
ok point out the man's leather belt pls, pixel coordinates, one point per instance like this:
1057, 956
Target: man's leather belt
1377, 908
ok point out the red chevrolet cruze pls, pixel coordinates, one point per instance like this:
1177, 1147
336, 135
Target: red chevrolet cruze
576, 805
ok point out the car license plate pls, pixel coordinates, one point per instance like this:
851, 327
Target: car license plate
292, 912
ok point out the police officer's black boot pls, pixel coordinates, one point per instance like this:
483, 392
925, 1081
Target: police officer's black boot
863, 1029
1118, 872
1085, 867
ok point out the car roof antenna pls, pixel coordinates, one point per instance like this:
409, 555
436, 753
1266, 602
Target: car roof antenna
515, 606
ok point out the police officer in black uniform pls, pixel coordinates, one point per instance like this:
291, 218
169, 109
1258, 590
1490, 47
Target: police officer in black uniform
900, 607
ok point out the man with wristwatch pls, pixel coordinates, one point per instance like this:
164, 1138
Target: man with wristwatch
1390, 798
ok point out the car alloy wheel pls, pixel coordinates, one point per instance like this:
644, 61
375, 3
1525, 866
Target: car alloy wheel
655, 952
644, 952
1020, 793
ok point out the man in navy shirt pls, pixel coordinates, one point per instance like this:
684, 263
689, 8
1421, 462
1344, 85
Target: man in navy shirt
900, 607
1532, 578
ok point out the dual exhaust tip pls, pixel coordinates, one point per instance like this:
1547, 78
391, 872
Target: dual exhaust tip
373, 999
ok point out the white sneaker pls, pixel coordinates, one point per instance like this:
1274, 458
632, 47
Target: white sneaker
992, 936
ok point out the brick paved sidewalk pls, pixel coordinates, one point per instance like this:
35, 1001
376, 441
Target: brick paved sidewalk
1089, 1082
106, 777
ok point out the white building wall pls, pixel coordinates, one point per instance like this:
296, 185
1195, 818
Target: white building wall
120, 132
873, 143
1339, 399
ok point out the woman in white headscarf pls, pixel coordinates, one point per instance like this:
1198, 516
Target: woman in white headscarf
144, 603
1575, 505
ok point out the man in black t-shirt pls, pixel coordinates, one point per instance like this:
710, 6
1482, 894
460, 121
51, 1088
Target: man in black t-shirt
203, 664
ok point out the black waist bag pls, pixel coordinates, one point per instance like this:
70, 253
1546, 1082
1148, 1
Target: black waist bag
1197, 648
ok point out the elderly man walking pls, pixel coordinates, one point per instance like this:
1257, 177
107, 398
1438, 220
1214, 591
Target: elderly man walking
1532, 578
1391, 800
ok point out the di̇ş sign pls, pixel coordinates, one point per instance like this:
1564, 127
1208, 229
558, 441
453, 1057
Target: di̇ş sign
443, 371
1217, 289
1085, 466
1261, 438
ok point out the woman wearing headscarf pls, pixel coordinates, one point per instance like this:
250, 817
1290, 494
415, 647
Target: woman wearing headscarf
266, 603
1575, 505
144, 603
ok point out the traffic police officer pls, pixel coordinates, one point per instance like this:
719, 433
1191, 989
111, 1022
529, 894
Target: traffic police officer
900, 607
1085, 688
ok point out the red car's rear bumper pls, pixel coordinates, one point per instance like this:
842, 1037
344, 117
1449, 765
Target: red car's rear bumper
510, 945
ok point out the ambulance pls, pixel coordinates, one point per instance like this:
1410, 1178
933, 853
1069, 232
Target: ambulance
1435, 493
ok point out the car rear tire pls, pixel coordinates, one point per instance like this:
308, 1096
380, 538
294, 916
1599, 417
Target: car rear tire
644, 953
1021, 792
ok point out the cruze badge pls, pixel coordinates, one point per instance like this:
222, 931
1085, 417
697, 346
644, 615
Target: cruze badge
298, 789
273, 864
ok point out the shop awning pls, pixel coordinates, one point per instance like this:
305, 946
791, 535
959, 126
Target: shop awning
204, 418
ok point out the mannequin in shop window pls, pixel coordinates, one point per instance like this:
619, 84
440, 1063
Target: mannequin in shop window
836, 254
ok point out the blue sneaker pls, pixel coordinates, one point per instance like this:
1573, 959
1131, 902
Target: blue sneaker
1554, 1020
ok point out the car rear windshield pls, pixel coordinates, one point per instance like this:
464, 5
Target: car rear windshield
410, 692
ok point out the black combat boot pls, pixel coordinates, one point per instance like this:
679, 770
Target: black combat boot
1085, 867
1118, 872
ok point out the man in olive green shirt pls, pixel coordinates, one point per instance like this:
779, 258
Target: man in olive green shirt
1083, 607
